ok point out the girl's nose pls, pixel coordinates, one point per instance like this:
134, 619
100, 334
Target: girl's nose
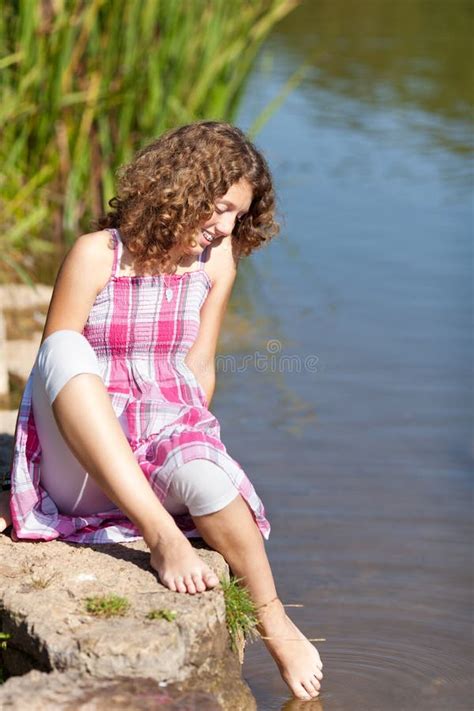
225, 224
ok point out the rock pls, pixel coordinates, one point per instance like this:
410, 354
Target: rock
43, 588
17, 356
20, 354
22, 296
38, 692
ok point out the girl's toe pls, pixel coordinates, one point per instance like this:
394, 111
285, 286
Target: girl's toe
303, 695
310, 689
199, 582
181, 587
169, 583
189, 582
210, 578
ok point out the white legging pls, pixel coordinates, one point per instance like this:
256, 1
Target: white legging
198, 487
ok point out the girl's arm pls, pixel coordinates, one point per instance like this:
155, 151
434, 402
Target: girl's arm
222, 269
84, 271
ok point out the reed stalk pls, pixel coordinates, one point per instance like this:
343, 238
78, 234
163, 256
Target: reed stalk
84, 84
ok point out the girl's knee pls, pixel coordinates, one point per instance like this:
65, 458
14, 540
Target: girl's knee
198, 474
61, 356
61, 345
203, 487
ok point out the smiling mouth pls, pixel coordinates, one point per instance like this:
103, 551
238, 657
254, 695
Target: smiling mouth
208, 237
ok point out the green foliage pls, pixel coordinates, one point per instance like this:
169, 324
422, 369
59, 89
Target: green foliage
86, 84
107, 605
163, 614
241, 612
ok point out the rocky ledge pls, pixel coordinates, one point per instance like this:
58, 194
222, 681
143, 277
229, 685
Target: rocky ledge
140, 647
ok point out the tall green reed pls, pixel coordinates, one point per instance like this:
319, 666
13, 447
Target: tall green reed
84, 84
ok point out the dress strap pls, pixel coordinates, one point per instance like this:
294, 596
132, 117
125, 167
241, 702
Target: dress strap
118, 250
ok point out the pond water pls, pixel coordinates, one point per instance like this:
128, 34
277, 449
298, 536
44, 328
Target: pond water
360, 445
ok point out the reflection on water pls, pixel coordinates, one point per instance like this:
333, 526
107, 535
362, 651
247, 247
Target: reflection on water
364, 464
411, 55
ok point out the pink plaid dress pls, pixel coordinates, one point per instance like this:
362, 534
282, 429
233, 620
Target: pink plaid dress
141, 328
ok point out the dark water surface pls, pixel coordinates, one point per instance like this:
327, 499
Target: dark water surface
364, 462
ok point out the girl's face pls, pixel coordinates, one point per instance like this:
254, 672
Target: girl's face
228, 209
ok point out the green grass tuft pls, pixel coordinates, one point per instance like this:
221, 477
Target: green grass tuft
107, 605
241, 612
163, 614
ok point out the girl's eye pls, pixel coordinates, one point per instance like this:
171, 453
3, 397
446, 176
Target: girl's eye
221, 212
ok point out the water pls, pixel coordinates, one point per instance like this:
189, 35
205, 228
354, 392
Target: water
364, 462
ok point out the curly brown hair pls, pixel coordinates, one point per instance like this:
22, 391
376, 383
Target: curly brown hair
170, 187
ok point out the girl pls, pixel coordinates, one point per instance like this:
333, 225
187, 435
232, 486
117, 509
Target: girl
115, 439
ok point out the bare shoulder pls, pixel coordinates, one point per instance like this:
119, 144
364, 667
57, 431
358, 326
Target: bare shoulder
222, 262
95, 249
84, 272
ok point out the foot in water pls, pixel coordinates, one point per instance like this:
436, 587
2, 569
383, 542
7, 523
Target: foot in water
297, 659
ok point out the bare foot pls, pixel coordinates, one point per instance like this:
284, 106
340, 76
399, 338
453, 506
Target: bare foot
180, 568
5, 516
297, 659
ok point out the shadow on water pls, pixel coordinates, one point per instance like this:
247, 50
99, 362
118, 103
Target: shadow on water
364, 463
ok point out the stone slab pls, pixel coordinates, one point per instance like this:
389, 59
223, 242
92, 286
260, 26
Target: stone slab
22, 296
44, 692
43, 587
